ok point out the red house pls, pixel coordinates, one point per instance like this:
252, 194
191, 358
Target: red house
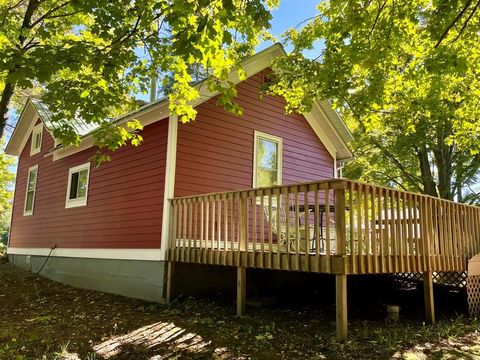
107, 228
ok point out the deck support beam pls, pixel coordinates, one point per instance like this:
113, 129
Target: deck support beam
341, 307
169, 287
341, 279
428, 295
241, 290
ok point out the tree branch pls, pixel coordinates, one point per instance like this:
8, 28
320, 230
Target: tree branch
52, 10
306, 20
414, 180
452, 24
127, 35
10, 8
63, 15
380, 9
30, 44
477, 5
393, 180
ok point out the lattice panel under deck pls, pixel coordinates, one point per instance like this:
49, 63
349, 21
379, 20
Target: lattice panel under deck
473, 293
451, 278
408, 280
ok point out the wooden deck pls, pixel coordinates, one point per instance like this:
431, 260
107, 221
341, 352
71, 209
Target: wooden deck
335, 226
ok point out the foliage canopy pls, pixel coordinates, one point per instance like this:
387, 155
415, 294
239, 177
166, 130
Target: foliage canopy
86, 58
6, 191
405, 76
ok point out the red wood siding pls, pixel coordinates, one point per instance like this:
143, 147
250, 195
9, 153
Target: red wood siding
215, 153
125, 197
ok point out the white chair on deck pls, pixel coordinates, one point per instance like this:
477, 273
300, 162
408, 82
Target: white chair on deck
322, 235
278, 215
323, 238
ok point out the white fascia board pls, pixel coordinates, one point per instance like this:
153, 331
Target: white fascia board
327, 133
23, 129
146, 117
317, 126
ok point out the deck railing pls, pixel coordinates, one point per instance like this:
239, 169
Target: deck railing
332, 226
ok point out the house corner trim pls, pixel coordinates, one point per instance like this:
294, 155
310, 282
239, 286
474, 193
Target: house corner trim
170, 169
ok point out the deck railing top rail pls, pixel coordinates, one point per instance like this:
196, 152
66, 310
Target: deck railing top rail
329, 183
322, 184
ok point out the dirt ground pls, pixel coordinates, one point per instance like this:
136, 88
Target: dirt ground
42, 319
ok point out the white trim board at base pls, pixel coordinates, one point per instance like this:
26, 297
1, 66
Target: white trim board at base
114, 254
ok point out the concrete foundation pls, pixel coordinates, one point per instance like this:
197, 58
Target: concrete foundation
132, 278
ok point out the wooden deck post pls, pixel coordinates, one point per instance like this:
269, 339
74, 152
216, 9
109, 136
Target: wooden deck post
241, 290
169, 289
341, 306
428, 295
341, 279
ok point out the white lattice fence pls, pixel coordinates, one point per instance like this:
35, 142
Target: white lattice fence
450, 278
473, 293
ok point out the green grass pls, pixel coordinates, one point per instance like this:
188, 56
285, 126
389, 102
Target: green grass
455, 337
42, 319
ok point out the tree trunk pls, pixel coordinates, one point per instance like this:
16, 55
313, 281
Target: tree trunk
429, 187
9, 88
443, 162
4, 103
459, 191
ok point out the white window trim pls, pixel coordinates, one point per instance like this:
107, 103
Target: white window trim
71, 203
30, 212
37, 129
279, 140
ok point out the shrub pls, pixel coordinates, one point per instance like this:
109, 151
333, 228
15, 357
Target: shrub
3, 253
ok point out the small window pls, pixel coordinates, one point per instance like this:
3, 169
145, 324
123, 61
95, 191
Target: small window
31, 189
36, 144
77, 190
267, 167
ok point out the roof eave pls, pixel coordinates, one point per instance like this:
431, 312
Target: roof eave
14, 146
343, 135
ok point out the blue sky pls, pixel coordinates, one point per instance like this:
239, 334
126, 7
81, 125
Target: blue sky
289, 14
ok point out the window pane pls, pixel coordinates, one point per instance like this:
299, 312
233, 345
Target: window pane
38, 140
32, 180
82, 183
78, 184
29, 201
266, 178
267, 154
73, 185
267, 162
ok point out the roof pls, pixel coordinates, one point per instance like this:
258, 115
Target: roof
81, 126
325, 121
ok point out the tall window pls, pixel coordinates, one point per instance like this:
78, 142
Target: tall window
31, 189
36, 144
267, 167
77, 189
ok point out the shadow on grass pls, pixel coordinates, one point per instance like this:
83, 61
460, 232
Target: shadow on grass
171, 339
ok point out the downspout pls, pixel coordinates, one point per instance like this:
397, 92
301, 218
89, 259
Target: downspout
339, 169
